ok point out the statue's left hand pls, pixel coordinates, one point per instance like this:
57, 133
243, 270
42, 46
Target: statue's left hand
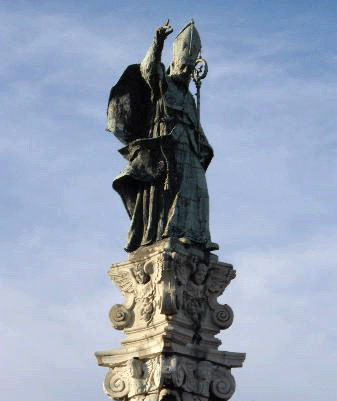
165, 30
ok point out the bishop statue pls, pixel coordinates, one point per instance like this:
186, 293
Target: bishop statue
153, 113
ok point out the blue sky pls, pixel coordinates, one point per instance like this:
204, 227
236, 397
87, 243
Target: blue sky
269, 110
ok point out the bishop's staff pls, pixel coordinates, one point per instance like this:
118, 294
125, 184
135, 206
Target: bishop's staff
199, 73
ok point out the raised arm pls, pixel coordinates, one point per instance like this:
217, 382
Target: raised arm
151, 67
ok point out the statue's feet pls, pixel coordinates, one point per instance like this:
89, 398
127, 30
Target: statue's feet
212, 246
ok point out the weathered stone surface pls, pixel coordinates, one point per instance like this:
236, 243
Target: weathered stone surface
179, 376
171, 281
170, 317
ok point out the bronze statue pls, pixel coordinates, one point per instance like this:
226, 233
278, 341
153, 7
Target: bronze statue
153, 113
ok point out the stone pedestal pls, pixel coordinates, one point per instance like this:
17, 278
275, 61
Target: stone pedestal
170, 317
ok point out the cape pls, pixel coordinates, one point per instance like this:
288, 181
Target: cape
129, 111
129, 118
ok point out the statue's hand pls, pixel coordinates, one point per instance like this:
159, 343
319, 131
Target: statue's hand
163, 31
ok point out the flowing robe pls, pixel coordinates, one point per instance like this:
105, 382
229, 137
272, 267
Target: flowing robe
164, 187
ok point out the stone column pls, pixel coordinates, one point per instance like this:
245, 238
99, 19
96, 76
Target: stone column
170, 317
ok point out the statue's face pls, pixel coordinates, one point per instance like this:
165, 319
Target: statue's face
183, 62
186, 48
182, 69
141, 276
200, 274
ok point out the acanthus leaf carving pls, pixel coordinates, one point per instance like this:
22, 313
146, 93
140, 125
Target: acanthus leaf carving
198, 286
171, 283
137, 286
133, 378
122, 279
125, 281
197, 379
152, 373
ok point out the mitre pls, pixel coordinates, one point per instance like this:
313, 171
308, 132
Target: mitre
187, 45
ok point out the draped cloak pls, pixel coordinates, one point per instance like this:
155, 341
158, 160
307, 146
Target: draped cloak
163, 187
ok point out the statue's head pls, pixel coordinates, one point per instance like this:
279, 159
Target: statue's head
140, 275
200, 274
186, 49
